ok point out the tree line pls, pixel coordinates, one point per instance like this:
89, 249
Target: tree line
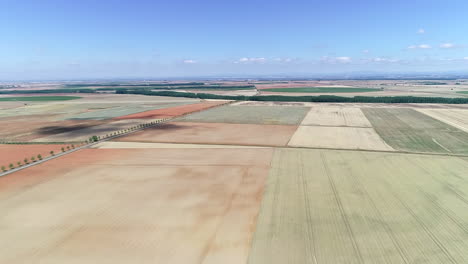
319, 98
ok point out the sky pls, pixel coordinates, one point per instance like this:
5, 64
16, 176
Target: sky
63, 39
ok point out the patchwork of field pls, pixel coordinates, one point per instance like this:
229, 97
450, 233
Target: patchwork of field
214, 133
338, 138
134, 206
17, 153
325, 206
250, 115
335, 116
77, 120
174, 111
455, 117
409, 130
249, 182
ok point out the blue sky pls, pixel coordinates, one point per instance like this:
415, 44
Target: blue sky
63, 39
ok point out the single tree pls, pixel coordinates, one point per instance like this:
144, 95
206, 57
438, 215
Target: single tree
63, 149
26, 161
51, 152
11, 166
73, 146
19, 163
39, 157
3, 168
68, 147
33, 159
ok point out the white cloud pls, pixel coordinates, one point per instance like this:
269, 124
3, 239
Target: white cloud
421, 46
466, 58
447, 46
421, 31
343, 59
365, 51
450, 46
335, 60
382, 60
284, 60
189, 61
251, 60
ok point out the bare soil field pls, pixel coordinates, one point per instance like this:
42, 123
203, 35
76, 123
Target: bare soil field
29, 128
409, 130
455, 117
214, 133
134, 206
80, 135
173, 111
338, 138
14, 153
250, 115
336, 116
324, 206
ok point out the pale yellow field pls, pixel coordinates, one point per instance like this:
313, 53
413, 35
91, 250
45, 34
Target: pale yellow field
134, 206
346, 207
336, 116
454, 117
338, 138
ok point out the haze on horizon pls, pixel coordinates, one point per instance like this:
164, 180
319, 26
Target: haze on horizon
59, 39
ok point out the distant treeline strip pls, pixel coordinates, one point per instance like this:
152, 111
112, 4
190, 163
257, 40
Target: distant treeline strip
168, 87
320, 98
131, 85
277, 98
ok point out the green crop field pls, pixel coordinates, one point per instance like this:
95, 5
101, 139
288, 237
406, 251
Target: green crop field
321, 90
273, 115
325, 206
38, 98
409, 130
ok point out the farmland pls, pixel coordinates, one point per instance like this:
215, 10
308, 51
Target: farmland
215, 133
17, 153
38, 98
409, 130
336, 116
321, 90
455, 117
250, 115
234, 182
332, 209
187, 212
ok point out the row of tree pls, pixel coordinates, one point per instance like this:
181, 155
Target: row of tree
320, 98
34, 159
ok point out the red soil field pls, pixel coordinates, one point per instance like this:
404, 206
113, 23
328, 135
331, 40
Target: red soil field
215, 133
173, 111
14, 153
